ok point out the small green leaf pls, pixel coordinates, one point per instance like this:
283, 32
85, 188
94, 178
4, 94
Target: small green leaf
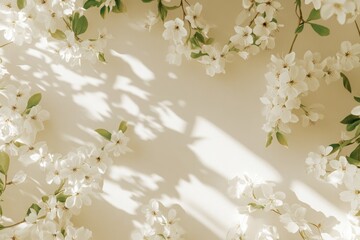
1, 211
58, 34
352, 126
123, 126
35, 207
45, 198
356, 153
346, 82
350, 119
172, 7
101, 57
119, 7
281, 139
103, 11
105, 133
353, 161
2, 186
314, 15
162, 11
255, 206
2, 226
21, 4
357, 214
269, 139
147, 1
197, 55
209, 41
33, 100
320, 29
335, 147
300, 28
79, 24
357, 99
91, 3
62, 197
199, 37
4, 163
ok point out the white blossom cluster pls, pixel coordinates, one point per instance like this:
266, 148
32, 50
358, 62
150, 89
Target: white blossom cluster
326, 165
255, 195
345, 11
160, 224
23, 21
77, 175
289, 80
190, 38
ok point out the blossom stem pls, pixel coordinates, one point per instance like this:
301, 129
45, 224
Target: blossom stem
5, 44
293, 42
317, 226
357, 27
252, 20
13, 225
301, 21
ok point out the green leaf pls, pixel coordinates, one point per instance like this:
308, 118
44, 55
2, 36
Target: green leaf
2, 186
320, 29
147, 1
357, 99
162, 11
350, 119
58, 34
21, 4
357, 214
123, 126
35, 207
199, 37
255, 206
103, 11
298, 3
172, 7
79, 24
45, 198
209, 41
353, 161
4, 163
346, 82
300, 28
352, 126
119, 7
105, 133
356, 153
281, 139
335, 147
194, 42
62, 197
1, 211
91, 3
314, 15
101, 57
33, 100
197, 55
269, 139
2, 226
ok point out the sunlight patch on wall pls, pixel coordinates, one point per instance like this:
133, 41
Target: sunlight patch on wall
76, 81
95, 103
217, 215
223, 154
138, 68
124, 84
168, 117
116, 194
316, 201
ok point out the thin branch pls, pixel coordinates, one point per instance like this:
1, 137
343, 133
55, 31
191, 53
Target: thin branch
13, 225
5, 44
357, 27
293, 42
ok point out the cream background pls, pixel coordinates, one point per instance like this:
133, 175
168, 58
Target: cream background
190, 133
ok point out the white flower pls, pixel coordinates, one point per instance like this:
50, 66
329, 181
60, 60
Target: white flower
243, 36
348, 55
32, 216
264, 26
311, 116
70, 49
117, 144
331, 69
18, 178
242, 186
294, 218
77, 233
316, 3
176, 52
100, 160
53, 172
342, 169
215, 60
356, 111
174, 30
238, 231
337, 7
268, 6
34, 120
152, 212
79, 196
151, 20
292, 83
193, 15
268, 233
352, 194
33, 153
317, 162
16, 28
10, 125
271, 200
